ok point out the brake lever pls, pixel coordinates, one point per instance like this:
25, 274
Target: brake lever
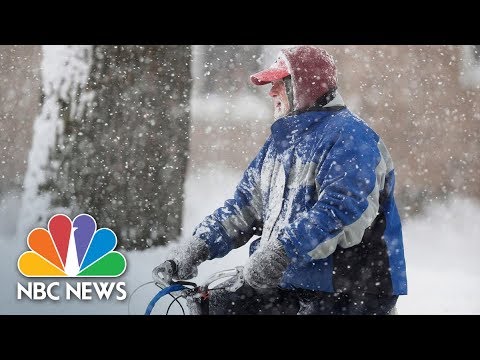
239, 281
237, 273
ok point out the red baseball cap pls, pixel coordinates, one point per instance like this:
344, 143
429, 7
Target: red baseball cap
278, 70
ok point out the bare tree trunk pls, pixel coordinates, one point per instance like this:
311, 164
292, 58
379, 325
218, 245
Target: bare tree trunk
122, 151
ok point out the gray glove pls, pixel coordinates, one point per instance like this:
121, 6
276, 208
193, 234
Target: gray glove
266, 266
183, 261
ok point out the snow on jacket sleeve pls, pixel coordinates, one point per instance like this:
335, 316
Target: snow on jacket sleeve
240, 218
350, 175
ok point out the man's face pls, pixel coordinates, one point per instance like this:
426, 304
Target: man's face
281, 105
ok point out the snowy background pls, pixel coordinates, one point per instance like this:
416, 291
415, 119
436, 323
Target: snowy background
437, 186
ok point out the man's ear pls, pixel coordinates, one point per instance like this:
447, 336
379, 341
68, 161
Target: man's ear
289, 88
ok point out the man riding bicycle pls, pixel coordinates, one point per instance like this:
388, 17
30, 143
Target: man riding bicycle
320, 194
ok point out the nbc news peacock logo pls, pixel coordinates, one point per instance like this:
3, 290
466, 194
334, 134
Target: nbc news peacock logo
71, 249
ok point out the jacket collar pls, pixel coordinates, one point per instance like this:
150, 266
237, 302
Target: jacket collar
336, 101
289, 130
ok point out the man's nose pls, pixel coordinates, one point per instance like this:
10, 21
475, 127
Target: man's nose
273, 92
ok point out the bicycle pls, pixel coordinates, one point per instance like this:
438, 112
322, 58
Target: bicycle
197, 296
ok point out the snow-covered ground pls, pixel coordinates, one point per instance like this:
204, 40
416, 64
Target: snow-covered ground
442, 253
441, 245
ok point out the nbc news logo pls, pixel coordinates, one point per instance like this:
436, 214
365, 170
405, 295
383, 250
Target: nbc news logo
72, 249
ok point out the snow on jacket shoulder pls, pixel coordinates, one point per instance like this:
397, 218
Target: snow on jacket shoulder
323, 185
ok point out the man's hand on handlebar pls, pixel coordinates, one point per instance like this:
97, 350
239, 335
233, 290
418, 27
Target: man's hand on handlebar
183, 262
165, 272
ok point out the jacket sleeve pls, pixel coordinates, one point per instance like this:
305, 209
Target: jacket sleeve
349, 179
240, 218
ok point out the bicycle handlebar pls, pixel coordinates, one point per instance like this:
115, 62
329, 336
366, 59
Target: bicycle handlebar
194, 290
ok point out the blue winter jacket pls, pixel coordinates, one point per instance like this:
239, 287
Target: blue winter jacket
322, 184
